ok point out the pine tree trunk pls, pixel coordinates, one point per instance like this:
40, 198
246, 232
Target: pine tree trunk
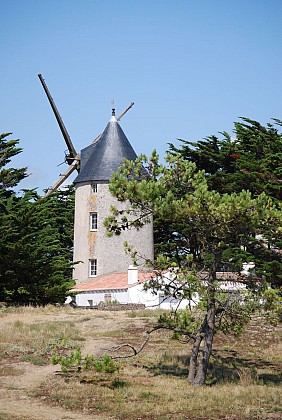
207, 349
193, 360
199, 359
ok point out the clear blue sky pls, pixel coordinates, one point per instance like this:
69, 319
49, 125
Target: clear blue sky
192, 68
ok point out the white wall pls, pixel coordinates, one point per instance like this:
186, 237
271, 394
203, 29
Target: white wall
82, 299
133, 295
136, 294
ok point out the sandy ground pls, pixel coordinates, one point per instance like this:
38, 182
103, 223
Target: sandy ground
16, 402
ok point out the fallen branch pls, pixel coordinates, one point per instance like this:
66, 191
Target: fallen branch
136, 351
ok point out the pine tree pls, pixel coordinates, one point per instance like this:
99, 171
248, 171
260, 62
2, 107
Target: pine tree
207, 230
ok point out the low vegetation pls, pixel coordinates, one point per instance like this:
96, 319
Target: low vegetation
24, 337
244, 380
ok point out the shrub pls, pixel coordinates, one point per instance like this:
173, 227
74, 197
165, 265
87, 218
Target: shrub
75, 362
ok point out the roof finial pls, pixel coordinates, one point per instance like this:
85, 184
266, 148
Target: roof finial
113, 117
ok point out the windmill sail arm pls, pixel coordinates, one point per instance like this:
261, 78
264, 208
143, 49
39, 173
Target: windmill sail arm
125, 111
63, 177
63, 129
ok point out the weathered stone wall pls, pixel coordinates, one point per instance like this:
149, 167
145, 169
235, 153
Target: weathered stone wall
102, 306
109, 251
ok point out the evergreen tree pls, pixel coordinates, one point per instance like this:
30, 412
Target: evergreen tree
36, 238
9, 177
206, 231
252, 161
36, 253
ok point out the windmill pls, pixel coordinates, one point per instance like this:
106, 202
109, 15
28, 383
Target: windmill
72, 158
98, 254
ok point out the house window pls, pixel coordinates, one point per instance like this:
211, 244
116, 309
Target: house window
93, 221
94, 188
93, 268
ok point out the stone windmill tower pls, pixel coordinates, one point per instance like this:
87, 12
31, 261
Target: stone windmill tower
99, 254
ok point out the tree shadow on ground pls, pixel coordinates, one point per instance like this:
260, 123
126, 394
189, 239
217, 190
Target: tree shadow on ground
228, 365
225, 366
170, 368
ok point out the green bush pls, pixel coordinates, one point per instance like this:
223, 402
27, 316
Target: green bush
75, 362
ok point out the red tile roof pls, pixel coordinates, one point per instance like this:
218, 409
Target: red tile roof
114, 281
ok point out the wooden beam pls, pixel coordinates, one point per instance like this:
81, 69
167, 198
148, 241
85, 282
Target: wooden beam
63, 177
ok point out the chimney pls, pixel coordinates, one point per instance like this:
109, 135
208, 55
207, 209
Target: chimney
132, 274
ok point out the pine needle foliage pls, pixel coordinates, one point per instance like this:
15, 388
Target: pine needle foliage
9, 176
250, 159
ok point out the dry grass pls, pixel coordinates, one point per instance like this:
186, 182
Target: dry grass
146, 313
26, 336
142, 396
245, 372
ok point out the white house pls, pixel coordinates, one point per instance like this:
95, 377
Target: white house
128, 287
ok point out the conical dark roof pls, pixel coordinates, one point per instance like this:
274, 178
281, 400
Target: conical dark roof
101, 159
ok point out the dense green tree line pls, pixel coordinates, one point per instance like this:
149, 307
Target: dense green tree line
250, 160
35, 238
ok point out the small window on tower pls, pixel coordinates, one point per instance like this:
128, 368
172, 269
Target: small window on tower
94, 188
93, 268
93, 221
